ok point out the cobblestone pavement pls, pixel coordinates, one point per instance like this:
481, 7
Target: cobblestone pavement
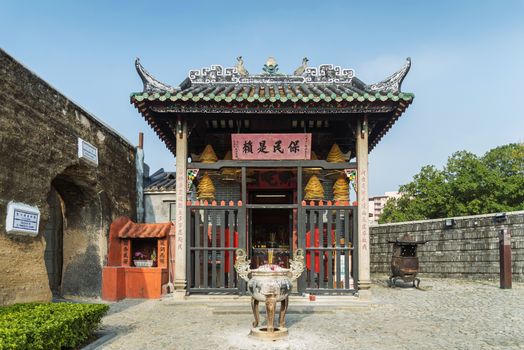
444, 314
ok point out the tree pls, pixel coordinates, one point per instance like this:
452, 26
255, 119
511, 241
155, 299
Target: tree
507, 163
467, 185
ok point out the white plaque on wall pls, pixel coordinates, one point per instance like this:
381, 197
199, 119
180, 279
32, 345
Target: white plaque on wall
22, 219
87, 151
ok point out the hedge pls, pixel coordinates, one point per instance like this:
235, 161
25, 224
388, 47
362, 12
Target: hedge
48, 325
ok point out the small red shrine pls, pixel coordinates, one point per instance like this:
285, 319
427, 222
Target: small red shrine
137, 264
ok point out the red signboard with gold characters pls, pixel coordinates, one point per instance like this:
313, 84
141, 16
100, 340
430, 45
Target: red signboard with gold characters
271, 146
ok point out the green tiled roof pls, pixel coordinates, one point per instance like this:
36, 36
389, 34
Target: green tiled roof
282, 93
326, 83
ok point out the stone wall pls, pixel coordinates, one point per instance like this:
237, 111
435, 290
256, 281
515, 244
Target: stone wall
469, 249
39, 130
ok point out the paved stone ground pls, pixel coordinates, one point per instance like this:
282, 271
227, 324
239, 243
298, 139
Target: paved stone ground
444, 314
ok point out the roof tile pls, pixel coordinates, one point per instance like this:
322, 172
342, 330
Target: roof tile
134, 230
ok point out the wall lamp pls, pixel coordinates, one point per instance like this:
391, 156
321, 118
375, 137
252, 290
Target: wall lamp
179, 127
500, 217
363, 129
449, 223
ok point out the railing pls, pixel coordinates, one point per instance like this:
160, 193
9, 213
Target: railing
215, 231
328, 235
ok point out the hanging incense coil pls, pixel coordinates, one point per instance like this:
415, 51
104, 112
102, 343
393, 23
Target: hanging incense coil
206, 189
229, 173
312, 171
314, 189
341, 189
335, 155
208, 155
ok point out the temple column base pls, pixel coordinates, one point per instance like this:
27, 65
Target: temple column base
364, 284
179, 294
364, 294
180, 290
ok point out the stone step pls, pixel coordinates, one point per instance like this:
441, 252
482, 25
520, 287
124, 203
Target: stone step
234, 304
292, 309
209, 299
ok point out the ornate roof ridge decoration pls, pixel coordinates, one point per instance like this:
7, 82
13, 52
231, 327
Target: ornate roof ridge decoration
150, 83
324, 74
271, 66
394, 82
240, 67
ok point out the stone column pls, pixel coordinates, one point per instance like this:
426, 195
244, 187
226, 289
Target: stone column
363, 211
139, 164
180, 209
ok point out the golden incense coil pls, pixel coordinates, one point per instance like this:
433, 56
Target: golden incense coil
229, 172
206, 189
313, 189
312, 171
335, 155
341, 189
208, 155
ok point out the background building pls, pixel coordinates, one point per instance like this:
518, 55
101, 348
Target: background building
377, 203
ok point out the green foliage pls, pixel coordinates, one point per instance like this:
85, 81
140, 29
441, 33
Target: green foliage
49, 325
468, 185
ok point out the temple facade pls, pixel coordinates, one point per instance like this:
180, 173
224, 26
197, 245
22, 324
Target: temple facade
270, 163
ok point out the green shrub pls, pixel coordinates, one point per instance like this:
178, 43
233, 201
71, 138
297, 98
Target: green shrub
49, 325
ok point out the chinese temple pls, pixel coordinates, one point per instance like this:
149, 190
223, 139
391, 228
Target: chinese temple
271, 163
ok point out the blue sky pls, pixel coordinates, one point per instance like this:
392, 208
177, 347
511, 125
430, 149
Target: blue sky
467, 73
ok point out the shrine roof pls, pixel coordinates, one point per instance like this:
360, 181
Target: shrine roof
307, 84
135, 230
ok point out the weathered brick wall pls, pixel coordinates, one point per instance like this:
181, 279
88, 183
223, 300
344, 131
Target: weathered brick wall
39, 128
468, 250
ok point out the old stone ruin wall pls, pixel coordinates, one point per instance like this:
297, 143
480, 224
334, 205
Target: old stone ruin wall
39, 166
469, 249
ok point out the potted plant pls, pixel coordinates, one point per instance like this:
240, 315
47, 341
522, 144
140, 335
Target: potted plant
140, 259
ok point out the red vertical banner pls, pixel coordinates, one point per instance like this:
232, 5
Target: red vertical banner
226, 258
235, 245
308, 252
316, 253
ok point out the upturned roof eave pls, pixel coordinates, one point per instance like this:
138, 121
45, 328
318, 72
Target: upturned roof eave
374, 139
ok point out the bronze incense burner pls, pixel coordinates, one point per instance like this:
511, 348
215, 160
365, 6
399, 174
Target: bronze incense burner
270, 284
404, 262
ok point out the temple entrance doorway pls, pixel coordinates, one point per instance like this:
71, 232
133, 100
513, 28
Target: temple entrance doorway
270, 227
